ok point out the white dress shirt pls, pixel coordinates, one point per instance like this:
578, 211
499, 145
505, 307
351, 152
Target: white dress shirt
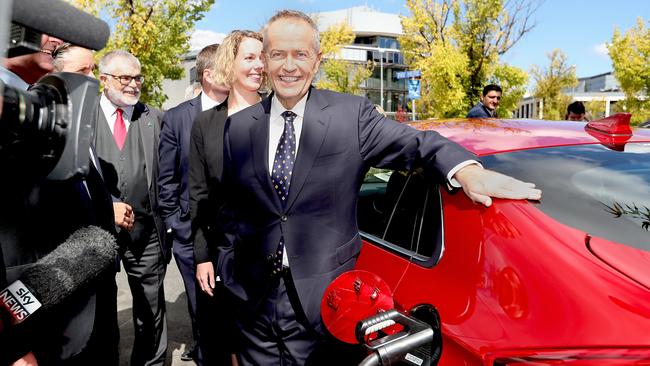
207, 102
108, 108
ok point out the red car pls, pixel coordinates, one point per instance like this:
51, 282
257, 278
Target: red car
562, 281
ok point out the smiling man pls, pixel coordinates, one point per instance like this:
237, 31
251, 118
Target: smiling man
126, 140
293, 167
487, 106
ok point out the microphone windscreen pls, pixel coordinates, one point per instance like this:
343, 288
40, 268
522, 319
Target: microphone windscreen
61, 20
70, 266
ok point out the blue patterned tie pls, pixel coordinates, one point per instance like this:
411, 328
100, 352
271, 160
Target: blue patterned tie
285, 157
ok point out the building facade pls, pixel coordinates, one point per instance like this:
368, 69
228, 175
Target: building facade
176, 90
598, 88
376, 39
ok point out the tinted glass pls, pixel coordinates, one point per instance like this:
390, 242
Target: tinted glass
403, 212
602, 192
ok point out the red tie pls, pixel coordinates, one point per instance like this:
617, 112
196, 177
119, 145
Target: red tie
119, 130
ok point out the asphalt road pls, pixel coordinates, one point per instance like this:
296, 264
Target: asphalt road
179, 332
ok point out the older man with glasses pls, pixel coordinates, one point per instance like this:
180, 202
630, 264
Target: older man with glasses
126, 140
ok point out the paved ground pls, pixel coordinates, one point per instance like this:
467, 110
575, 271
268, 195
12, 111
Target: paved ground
178, 321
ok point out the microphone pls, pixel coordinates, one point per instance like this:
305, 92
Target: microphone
69, 267
61, 20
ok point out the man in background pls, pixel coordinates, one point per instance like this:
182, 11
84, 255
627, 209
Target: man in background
487, 106
174, 192
70, 58
126, 140
576, 112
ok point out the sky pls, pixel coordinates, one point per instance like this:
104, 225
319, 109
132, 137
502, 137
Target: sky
580, 28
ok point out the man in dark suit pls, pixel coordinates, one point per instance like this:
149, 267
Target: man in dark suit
293, 167
126, 140
173, 188
487, 106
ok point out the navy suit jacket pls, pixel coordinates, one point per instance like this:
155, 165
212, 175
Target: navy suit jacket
174, 152
342, 136
479, 111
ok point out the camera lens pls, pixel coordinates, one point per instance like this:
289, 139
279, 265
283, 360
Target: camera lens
33, 125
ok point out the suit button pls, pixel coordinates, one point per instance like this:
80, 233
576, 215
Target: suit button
284, 218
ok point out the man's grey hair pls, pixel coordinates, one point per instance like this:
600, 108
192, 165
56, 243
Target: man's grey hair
106, 63
291, 14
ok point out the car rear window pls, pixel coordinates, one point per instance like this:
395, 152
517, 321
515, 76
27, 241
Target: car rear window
603, 192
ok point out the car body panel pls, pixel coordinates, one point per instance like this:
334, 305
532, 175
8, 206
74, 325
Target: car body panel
632, 262
513, 278
490, 136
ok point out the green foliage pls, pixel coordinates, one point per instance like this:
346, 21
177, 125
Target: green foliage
549, 83
457, 45
513, 81
630, 54
595, 109
341, 75
442, 90
157, 32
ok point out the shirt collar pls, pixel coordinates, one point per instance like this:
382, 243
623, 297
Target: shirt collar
299, 109
108, 106
207, 102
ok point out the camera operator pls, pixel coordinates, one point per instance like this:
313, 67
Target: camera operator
83, 330
29, 68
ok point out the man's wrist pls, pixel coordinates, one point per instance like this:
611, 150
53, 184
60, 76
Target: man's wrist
451, 176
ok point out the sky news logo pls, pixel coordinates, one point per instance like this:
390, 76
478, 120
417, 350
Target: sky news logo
19, 301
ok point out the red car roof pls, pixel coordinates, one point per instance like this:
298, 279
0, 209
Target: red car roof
491, 136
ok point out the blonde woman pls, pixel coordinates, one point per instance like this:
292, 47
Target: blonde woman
237, 66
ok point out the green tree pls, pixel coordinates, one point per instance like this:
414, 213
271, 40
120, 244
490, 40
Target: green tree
157, 32
549, 83
630, 54
513, 81
457, 45
337, 74
595, 109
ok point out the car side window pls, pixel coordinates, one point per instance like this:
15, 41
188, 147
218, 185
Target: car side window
402, 212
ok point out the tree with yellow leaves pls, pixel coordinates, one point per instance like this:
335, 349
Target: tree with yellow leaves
457, 44
630, 54
338, 74
549, 83
157, 32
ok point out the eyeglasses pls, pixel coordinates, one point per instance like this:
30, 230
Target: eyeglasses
126, 79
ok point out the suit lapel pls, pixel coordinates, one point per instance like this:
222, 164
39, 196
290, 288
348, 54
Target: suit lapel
146, 124
101, 121
260, 148
195, 108
314, 128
